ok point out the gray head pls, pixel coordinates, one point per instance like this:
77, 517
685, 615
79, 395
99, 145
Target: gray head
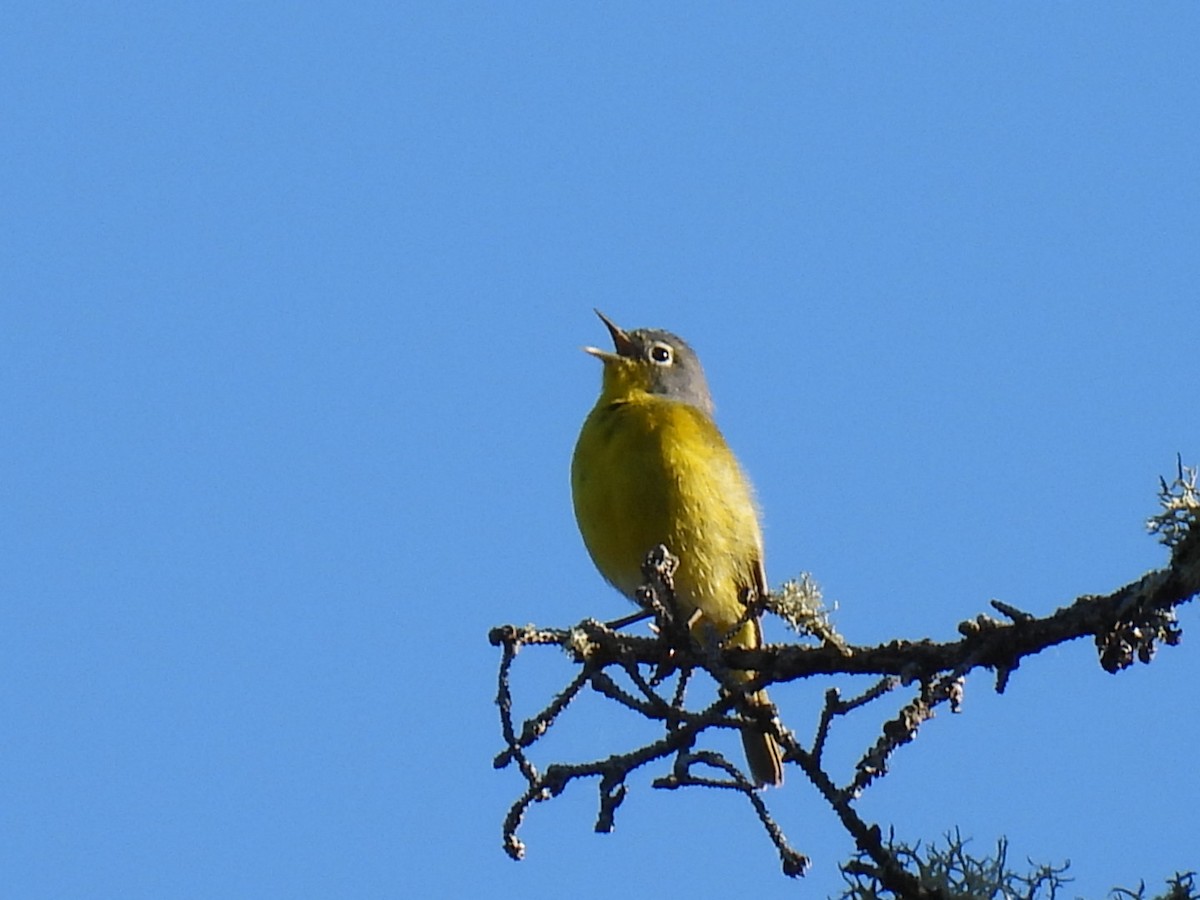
656, 362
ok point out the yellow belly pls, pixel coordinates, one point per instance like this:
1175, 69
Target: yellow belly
651, 471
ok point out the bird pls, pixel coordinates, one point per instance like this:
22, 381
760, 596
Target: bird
651, 467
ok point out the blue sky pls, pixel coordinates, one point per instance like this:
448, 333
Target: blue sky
293, 296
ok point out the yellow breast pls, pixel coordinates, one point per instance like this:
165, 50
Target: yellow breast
649, 470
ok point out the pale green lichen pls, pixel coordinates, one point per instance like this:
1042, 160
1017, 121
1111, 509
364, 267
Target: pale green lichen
1180, 502
799, 603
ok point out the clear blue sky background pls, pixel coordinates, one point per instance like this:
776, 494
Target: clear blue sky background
293, 296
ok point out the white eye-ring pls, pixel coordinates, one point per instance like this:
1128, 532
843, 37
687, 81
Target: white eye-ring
661, 353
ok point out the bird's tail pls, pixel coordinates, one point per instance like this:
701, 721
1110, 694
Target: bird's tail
763, 753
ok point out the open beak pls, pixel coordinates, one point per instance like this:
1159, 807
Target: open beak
624, 346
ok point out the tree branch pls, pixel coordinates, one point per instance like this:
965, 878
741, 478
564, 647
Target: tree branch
1126, 625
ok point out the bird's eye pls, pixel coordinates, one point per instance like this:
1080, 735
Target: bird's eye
661, 354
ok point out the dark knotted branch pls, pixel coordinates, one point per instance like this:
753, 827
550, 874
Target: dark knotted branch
1142, 607
586, 641
867, 838
597, 647
794, 863
903, 728
1126, 625
836, 706
986, 641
